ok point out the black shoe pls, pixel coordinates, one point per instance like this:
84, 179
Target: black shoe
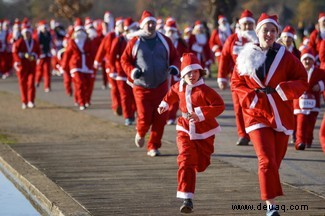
187, 206
300, 146
272, 213
242, 141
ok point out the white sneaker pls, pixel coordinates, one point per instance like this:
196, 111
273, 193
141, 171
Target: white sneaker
139, 141
153, 153
47, 90
87, 105
171, 122
82, 108
23, 106
30, 104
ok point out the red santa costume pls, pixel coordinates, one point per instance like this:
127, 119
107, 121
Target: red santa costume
6, 59
195, 139
171, 31
77, 61
322, 55
25, 52
267, 78
147, 66
318, 34
44, 63
219, 36
230, 51
307, 107
322, 134
125, 90
199, 45
287, 38
187, 34
103, 53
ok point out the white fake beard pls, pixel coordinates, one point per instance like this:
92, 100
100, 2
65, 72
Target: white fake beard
250, 59
91, 33
16, 33
201, 39
250, 35
322, 33
225, 28
139, 33
80, 38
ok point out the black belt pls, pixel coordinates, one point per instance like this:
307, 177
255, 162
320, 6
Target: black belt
266, 90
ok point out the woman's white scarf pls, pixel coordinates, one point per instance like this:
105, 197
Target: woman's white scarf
250, 58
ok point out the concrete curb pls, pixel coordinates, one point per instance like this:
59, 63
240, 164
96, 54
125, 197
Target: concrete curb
46, 196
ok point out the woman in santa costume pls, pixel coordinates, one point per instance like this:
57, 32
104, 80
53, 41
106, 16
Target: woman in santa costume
267, 78
287, 38
77, 61
196, 129
307, 107
25, 53
148, 59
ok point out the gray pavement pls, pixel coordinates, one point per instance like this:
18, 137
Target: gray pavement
300, 170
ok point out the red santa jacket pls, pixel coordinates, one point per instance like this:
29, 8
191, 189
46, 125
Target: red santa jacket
321, 54
198, 98
117, 47
76, 60
202, 51
314, 41
25, 53
286, 75
315, 76
230, 51
215, 43
103, 51
130, 53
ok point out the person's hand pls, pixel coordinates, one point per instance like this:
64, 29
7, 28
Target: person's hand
193, 117
137, 73
316, 88
161, 109
222, 85
173, 71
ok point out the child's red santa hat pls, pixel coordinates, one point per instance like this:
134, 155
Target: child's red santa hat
190, 62
289, 31
265, 18
246, 16
307, 52
321, 17
146, 17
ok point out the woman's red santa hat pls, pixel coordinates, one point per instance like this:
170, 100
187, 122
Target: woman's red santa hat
246, 16
190, 62
146, 17
307, 52
289, 31
265, 18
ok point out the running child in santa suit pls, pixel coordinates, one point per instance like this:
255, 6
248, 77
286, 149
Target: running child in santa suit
197, 126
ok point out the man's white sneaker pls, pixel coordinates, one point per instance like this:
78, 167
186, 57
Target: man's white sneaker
153, 153
30, 104
47, 90
82, 108
23, 106
139, 141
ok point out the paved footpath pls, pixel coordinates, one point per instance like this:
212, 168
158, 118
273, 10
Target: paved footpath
71, 162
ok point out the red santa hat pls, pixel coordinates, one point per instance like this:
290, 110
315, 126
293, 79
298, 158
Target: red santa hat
187, 29
129, 23
289, 31
146, 17
88, 23
119, 21
25, 27
246, 16
197, 25
41, 24
307, 52
190, 62
265, 18
171, 25
222, 18
170, 19
78, 25
16, 24
321, 17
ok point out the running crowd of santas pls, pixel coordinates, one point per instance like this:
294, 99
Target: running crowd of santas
153, 70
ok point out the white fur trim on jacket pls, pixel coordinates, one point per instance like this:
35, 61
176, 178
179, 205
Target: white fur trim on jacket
199, 113
250, 58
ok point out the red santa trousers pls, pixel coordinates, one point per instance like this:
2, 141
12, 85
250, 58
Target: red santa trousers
193, 156
305, 125
239, 116
43, 70
26, 80
322, 134
127, 99
82, 83
67, 80
270, 147
147, 102
115, 94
